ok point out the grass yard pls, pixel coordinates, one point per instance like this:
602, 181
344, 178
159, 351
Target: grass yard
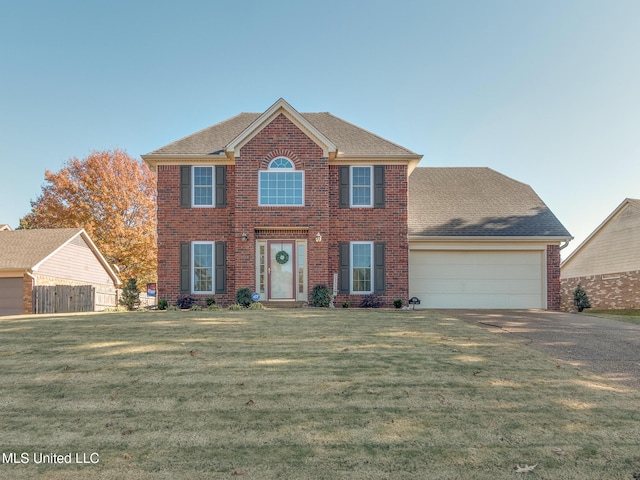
301, 394
629, 316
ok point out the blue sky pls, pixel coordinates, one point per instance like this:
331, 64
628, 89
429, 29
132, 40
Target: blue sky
544, 91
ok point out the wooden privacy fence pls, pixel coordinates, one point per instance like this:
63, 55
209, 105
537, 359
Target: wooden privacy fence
64, 298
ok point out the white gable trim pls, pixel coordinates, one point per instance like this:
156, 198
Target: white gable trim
281, 106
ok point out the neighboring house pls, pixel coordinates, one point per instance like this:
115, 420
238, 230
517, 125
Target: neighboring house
281, 201
4, 226
65, 256
607, 263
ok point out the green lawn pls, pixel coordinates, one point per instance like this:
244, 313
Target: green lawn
301, 394
629, 316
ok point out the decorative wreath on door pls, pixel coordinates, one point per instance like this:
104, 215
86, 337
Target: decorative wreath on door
282, 257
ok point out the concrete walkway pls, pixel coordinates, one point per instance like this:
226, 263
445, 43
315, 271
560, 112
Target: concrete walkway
606, 347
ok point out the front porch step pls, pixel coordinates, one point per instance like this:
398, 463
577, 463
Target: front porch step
285, 304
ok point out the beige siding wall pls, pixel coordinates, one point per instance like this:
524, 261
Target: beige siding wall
615, 248
77, 263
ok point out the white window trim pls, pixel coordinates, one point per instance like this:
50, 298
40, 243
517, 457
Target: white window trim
193, 186
192, 270
351, 267
276, 170
371, 180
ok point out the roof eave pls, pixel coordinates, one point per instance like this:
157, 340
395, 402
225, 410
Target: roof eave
411, 160
13, 272
155, 159
488, 238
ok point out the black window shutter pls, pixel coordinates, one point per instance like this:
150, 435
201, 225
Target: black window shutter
185, 186
343, 181
221, 186
345, 286
378, 186
185, 267
221, 267
379, 270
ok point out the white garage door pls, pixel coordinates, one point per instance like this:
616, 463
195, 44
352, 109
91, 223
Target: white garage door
10, 296
477, 279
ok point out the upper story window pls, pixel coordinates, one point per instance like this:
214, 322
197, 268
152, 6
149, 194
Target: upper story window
281, 184
203, 186
361, 187
203, 182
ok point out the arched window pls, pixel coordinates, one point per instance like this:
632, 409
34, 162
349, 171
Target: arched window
281, 162
281, 184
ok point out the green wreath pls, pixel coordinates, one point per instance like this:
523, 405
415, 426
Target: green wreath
282, 257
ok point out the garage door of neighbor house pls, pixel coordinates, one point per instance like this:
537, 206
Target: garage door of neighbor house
477, 279
10, 296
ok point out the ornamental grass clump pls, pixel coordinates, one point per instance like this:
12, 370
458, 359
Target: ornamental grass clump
371, 301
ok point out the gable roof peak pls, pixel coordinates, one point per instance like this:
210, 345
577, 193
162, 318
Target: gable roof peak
28, 249
339, 140
281, 106
633, 202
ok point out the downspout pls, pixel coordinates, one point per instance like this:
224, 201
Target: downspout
566, 243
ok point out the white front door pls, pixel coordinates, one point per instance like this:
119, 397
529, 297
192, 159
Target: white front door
281, 269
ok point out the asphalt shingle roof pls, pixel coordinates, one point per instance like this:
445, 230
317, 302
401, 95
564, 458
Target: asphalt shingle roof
23, 249
350, 139
475, 202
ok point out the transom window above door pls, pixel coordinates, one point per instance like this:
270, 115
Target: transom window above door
281, 184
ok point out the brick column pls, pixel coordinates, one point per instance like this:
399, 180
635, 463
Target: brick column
27, 294
553, 278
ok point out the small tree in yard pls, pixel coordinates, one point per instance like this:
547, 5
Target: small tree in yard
130, 297
580, 298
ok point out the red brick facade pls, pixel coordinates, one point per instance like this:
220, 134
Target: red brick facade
320, 214
330, 233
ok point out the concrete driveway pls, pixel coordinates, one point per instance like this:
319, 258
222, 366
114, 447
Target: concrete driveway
606, 347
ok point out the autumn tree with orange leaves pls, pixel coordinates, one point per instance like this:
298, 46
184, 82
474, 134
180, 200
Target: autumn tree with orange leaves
113, 197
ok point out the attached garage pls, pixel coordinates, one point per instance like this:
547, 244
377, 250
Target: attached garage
11, 296
479, 239
478, 278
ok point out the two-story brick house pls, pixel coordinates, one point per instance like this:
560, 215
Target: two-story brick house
282, 201
278, 202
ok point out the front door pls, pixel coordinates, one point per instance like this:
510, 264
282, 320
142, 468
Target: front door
281, 269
